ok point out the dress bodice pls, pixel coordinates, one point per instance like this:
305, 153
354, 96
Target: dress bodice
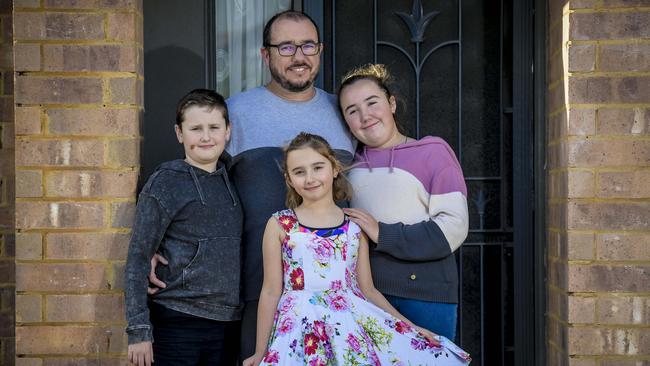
319, 259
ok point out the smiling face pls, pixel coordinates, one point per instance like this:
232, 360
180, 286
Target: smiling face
310, 174
292, 73
204, 134
370, 114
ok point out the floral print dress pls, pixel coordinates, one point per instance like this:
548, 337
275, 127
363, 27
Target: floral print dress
324, 319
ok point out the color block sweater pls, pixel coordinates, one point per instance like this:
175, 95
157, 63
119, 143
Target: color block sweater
417, 193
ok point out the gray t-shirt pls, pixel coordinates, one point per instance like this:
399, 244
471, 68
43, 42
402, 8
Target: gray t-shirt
262, 123
261, 119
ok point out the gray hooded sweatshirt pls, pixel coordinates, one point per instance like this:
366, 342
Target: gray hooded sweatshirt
194, 219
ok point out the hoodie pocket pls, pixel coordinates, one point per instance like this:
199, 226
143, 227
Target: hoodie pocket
215, 267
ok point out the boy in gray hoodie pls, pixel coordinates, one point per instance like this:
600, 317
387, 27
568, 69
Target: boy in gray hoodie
189, 212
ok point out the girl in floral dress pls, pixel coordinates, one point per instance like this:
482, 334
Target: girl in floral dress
318, 305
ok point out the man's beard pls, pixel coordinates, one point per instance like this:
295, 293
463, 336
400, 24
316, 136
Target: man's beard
286, 84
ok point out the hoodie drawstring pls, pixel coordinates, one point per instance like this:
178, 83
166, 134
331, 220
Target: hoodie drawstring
226, 181
392, 158
365, 157
198, 186
390, 164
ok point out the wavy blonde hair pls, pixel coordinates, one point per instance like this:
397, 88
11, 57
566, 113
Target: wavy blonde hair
378, 73
340, 188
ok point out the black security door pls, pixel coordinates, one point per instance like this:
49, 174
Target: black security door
454, 63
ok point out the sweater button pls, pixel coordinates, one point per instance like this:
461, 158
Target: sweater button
413, 277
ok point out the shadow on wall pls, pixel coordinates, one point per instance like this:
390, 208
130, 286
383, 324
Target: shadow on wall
170, 72
7, 187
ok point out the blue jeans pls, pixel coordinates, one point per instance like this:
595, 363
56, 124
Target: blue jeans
438, 317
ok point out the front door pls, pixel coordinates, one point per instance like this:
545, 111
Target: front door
452, 63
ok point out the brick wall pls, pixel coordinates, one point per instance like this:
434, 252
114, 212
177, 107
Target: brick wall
598, 182
78, 95
7, 247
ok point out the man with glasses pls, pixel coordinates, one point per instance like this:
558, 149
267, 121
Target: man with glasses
265, 119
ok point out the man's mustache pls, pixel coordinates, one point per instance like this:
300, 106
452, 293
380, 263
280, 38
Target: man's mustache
300, 65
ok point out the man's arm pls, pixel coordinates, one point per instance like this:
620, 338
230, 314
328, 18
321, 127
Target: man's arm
153, 279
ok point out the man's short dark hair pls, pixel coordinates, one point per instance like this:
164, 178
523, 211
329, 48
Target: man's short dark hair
287, 14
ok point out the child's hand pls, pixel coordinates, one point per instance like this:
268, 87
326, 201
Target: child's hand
140, 354
429, 335
366, 222
253, 360
153, 280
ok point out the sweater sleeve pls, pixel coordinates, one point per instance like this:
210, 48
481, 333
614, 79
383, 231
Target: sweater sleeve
151, 222
439, 236
407, 242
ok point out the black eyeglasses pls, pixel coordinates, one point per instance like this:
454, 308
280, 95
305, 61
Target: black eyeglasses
290, 49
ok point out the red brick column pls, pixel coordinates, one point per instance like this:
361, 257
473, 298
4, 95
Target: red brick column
7, 227
78, 96
599, 182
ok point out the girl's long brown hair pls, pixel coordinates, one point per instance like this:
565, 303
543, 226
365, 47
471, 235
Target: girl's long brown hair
340, 188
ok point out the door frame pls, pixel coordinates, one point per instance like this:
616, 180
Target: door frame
540, 142
529, 198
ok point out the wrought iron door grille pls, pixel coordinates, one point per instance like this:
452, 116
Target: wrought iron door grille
453, 63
